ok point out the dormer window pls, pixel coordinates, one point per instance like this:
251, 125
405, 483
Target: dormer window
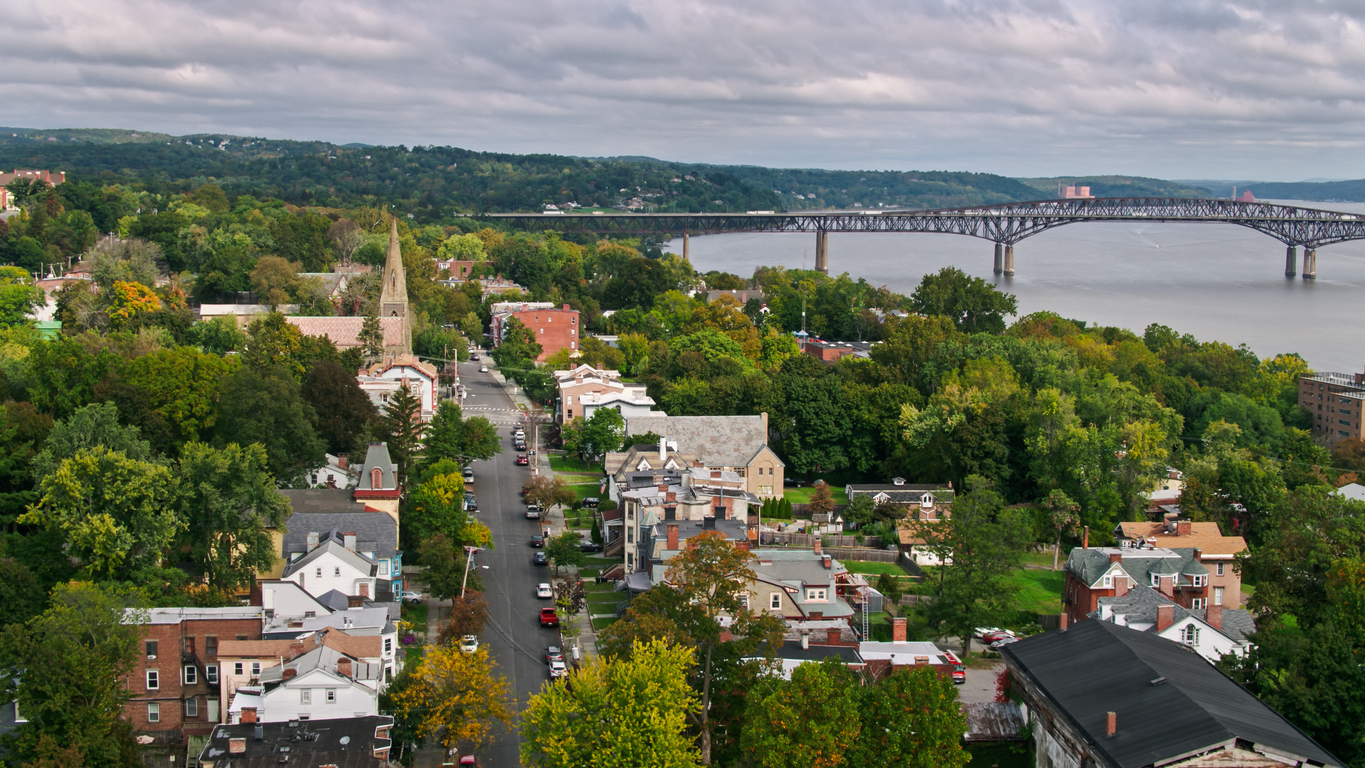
1107, 582
1190, 634
1199, 581
376, 478
1156, 580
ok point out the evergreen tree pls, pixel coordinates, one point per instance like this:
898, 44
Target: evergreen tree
402, 425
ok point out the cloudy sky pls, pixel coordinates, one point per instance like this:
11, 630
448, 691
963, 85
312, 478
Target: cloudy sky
1224, 89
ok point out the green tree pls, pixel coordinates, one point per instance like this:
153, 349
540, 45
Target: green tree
546, 492
1061, 517
218, 336
601, 434
230, 504
973, 304
117, 514
266, 406
564, 550
93, 426
24, 595
811, 720
447, 570
456, 698
451, 436
518, 349
401, 424
436, 506
911, 719
76, 658
271, 341
274, 280
19, 297
345, 414
371, 338
985, 541
627, 711
182, 387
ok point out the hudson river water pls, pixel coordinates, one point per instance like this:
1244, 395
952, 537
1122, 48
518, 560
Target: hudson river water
1215, 281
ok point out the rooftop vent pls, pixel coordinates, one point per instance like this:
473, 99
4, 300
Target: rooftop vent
898, 481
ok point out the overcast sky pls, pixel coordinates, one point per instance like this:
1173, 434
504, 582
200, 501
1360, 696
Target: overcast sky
1249, 89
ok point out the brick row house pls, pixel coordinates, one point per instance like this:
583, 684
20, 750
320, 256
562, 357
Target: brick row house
554, 328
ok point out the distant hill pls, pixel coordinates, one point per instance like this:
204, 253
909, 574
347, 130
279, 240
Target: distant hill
1117, 186
1327, 192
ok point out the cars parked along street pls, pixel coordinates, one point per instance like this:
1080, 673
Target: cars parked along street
548, 617
540, 559
537, 540
544, 591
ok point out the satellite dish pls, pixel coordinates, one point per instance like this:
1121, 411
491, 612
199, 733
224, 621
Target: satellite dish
345, 740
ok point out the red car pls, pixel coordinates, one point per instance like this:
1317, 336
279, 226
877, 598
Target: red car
522, 460
548, 617
959, 671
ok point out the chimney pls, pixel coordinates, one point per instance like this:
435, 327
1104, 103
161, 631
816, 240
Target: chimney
312, 540
708, 523
670, 513
715, 474
237, 744
1198, 555
344, 667
1120, 586
1111, 724
1062, 625
662, 488
898, 629
1165, 616
817, 546
672, 536
248, 715
1085, 538
805, 640
344, 461
348, 539
834, 636
1115, 557
670, 496
1214, 616
1166, 585
829, 562
663, 451
1183, 527
295, 650
290, 672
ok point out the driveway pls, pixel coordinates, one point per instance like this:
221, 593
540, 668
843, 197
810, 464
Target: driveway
980, 685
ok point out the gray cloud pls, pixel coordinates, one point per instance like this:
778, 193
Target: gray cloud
1175, 88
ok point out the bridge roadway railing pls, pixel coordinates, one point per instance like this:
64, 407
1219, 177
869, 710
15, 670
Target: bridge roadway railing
1004, 224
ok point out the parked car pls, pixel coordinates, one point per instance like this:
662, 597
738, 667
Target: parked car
990, 635
469, 761
469, 644
533, 513
554, 653
483, 369
413, 598
540, 559
522, 460
1004, 641
518, 445
471, 504
537, 540
548, 617
543, 591
959, 670
590, 502
468, 475
557, 669
589, 546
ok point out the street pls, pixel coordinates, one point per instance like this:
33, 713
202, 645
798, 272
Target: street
513, 636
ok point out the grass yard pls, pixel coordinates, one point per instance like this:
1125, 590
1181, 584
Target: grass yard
861, 566
586, 490
562, 463
802, 495
1044, 559
1039, 591
416, 615
601, 624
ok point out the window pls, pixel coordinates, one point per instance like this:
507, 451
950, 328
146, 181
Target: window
775, 601
153, 680
191, 674
1220, 568
337, 571
1189, 635
376, 478
187, 645
388, 645
1108, 582
817, 595
319, 571
151, 649
19, 716
306, 696
1156, 580
383, 567
1199, 581
331, 695
211, 645
211, 674
191, 707
1217, 595
237, 668
255, 669
1198, 603
153, 713
630, 535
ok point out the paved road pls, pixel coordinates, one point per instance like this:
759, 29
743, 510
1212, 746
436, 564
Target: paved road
513, 635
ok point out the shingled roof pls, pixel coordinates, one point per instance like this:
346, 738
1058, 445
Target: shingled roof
719, 441
345, 331
1168, 702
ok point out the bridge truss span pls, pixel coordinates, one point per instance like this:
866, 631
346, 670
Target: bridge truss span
1005, 224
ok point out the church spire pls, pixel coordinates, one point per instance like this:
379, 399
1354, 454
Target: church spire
393, 296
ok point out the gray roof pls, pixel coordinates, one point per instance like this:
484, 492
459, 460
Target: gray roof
902, 494
1097, 667
375, 532
1354, 491
1089, 565
801, 568
719, 441
333, 547
1140, 604
378, 456
345, 742
334, 600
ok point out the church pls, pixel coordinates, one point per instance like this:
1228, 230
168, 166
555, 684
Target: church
394, 319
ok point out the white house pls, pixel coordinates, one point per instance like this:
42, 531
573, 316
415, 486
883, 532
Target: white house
382, 380
334, 565
374, 621
336, 473
1212, 632
322, 684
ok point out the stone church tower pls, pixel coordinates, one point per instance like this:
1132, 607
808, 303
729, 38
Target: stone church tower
393, 297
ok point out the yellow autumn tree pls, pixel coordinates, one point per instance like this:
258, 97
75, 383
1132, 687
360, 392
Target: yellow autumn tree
631, 711
130, 299
457, 698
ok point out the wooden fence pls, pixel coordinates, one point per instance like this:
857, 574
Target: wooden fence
807, 540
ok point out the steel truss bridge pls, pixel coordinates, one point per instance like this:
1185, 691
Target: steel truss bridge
1005, 224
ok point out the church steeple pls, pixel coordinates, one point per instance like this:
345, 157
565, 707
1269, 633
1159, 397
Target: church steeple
393, 296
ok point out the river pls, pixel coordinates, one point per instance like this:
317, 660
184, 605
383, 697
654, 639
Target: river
1215, 281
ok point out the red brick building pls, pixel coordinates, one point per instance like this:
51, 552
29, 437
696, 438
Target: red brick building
554, 329
175, 687
1092, 573
49, 177
1336, 405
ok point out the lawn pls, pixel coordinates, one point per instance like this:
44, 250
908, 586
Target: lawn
1044, 559
802, 495
861, 566
1039, 591
601, 624
580, 479
586, 490
416, 615
562, 463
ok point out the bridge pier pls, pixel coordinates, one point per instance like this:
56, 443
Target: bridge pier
1310, 264
1291, 257
686, 244
1009, 261
822, 251
999, 258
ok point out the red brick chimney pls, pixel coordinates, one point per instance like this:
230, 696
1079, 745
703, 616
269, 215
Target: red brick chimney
1062, 626
1214, 616
670, 496
1165, 616
290, 672
663, 488
672, 535
1120, 586
1111, 724
1085, 538
1166, 585
1183, 527
248, 715
834, 636
898, 630
344, 667
828, 562
817, 546
295, 650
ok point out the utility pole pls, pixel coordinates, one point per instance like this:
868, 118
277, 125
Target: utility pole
468, 561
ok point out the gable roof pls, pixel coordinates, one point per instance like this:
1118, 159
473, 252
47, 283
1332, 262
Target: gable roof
719, 441
375, 532
1206, 537
345, 331
1097, 667
1089, 565
1140, 604
901, 494
355, 560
